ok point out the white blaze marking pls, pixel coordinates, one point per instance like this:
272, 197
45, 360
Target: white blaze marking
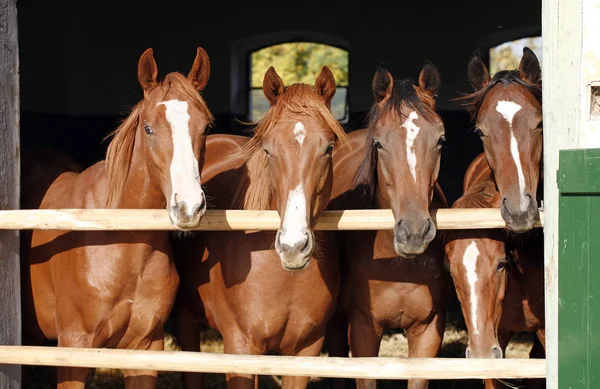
412, 130
185, 175
294, 226
299, 132
508, 110
470, 263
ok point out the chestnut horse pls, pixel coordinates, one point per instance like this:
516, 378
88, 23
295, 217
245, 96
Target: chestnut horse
117, 288
507, 110
394, 278
499, 284
267, 291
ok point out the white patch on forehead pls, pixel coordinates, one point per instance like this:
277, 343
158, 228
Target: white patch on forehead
185, 174
294, 226
412, 130
508, 110
299, 132
470, 263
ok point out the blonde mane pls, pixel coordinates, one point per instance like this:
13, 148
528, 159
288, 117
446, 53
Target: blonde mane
120, 150
254, 189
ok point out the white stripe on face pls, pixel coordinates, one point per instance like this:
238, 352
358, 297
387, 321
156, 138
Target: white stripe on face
300, 132
185, 174
508, 110
470, 263
294, 226
412, 130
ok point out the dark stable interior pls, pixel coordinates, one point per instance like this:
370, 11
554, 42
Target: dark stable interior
78, 60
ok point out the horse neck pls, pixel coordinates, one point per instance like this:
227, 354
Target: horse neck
140, 189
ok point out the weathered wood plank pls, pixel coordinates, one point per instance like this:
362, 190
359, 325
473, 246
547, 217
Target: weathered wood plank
10, 301
186, 361
561, 72
230, 220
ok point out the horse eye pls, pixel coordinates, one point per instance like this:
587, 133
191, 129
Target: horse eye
502, 264
441, 141
148, 129
377, 144
478, 132
329, 149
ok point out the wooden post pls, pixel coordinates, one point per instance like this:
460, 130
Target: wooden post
10, 295
562, 34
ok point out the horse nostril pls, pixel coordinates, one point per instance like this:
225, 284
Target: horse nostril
306, 242
497, 352
196, 209
284, 247
426, 227
401, 231
468, 353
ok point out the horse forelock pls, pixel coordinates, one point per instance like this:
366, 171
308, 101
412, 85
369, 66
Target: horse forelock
298, 101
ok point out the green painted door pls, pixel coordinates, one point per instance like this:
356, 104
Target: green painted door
579, 269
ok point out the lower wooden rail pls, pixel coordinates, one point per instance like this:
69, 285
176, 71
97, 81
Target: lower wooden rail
185, 361
228, 220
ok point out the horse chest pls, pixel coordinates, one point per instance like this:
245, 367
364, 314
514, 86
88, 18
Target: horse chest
273, 306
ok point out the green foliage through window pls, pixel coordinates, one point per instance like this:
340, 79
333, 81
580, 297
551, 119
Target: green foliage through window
299, 62
507, 55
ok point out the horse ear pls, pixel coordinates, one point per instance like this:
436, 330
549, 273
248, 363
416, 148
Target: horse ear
382, 84
479, 76
147, 71
272, 85
529, 68
200, 72
430, 79
325, 85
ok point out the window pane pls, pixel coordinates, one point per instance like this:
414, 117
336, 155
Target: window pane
299, 62
507, 56
259, 103
338, 103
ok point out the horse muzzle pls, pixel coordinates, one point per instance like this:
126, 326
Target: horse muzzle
183, 215
294, 248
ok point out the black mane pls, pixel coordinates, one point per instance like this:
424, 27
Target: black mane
474, 100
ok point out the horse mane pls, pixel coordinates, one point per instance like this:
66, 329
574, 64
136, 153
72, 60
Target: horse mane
404, 94
474, 100
478, 196
254, 189
120, 150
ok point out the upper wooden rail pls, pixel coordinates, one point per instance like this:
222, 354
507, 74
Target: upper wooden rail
228, 220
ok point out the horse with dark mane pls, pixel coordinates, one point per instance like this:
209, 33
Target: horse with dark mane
499, 282
393, 278
507, 110
267, 291
116, 288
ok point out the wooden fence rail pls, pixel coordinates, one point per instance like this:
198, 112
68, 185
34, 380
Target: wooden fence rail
335, 367
227, 220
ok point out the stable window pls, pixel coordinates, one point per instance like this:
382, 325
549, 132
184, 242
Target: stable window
298, 62
507, 56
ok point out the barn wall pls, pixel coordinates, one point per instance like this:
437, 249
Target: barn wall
590, 76
10, 305
91, 56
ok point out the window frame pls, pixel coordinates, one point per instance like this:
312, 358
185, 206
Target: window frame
241, 61
487, 42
